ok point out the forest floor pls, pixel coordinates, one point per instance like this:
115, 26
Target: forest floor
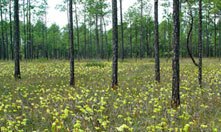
43, 101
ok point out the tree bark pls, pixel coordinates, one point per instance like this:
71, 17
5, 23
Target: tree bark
215, 34
122, 31
189, 37
85, 37
17, 73
102, 38
148, 34
200, 46
207, 34
156, 42
219, 37
136, 39
2, 32
131, 45
115, 45
6, 39
97, 35
78, 36
106, 40
141, 29
71, 41
10, 28
176, 52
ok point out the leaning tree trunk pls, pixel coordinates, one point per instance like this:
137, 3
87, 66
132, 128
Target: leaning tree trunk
176, 52
115, 45
17, 73
156, 43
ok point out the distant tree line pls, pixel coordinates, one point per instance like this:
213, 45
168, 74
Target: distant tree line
93, 36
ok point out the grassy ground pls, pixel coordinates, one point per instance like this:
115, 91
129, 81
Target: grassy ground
43, 101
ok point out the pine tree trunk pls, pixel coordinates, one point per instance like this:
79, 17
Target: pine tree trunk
115, 45
97, 35
77, 26
156, 42
101, 39
176, 52
207, 35
148, 47
136, 39
17, 73
2, 33
215, 34
90, 42
141, 29
106, 40
71, 41
131, 45
6, 39
85, 37
200, 46
10, 28
122, 31
219, 37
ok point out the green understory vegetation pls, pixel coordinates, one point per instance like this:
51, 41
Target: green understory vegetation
43, 100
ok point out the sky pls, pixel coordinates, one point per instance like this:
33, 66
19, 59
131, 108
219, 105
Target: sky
60, 18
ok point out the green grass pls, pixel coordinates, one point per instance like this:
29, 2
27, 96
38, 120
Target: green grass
43, 101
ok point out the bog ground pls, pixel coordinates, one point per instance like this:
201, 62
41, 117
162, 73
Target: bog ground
43, 101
